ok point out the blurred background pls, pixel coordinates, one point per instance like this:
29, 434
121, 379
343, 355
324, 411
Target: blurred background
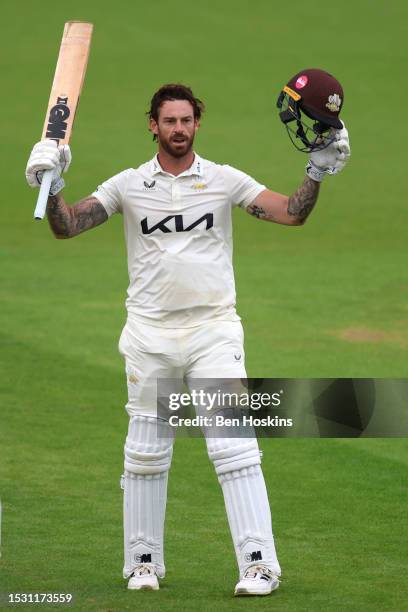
325, 300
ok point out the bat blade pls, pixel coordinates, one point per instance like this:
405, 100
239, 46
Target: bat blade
65, 91
68, 80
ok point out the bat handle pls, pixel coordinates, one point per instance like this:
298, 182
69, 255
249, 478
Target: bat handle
41, 206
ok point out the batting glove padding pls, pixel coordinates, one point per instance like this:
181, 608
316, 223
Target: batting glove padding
47, 155
332, 159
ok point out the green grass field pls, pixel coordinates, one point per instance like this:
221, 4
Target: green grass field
325, 300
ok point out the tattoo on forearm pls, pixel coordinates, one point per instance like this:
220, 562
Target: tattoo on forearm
301, 203
88, 213
256, 211
260, 213
59, 216
67, 222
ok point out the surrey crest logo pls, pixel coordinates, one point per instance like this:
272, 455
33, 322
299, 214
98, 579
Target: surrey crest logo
334, 103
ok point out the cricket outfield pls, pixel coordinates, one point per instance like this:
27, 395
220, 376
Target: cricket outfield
325, 300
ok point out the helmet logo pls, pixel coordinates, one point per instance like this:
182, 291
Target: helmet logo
301, 81
334, 103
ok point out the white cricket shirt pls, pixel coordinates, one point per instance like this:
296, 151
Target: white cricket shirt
178, 233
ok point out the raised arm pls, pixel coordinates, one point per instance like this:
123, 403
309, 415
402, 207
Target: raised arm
278, 208
69, 221
294, 210
65, 221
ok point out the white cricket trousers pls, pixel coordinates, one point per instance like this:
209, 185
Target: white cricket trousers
209, 351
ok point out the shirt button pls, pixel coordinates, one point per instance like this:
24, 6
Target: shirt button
175, 192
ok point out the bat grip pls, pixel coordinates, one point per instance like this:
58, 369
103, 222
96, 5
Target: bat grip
41, 206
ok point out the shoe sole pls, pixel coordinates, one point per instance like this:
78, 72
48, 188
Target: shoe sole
246, 593
143, 588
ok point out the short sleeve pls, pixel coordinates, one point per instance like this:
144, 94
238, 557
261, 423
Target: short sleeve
242, 188
111, 193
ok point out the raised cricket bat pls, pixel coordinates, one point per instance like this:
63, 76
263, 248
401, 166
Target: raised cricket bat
66, 88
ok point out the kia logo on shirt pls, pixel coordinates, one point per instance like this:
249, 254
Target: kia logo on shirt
175, 223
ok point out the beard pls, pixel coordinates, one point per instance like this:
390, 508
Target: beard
177, 149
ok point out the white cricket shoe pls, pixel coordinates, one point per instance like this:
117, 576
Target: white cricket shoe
144, 578
257, 580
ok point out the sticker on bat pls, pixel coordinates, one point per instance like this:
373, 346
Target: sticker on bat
57, 125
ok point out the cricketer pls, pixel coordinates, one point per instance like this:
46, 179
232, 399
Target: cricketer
182, 322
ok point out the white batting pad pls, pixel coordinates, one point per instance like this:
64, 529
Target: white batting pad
147, 461
237, 464
148, 446
229, 454
249, 518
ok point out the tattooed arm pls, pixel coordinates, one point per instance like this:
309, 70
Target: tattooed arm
66, 221
293, 210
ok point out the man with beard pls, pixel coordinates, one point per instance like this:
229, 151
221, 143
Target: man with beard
182, 322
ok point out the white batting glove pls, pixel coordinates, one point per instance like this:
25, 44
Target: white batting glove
332, 159
46, 155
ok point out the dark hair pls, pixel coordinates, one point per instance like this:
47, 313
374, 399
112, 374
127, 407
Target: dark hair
174, 91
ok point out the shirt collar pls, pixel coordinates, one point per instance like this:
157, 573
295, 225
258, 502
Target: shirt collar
196, 167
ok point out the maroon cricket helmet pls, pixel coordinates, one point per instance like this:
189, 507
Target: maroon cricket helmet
319, 96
